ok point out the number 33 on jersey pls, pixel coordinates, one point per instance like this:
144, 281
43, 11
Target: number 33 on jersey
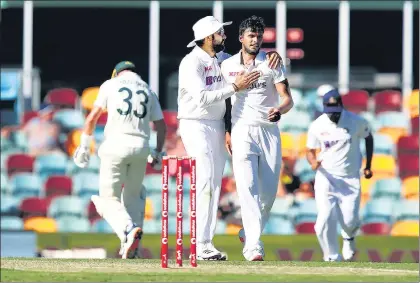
131, 106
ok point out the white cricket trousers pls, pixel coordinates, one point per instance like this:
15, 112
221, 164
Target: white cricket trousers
204, 140
337, 199
121, 166
256, 156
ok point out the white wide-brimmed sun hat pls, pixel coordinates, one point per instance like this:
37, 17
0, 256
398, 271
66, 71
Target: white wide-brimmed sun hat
205, 27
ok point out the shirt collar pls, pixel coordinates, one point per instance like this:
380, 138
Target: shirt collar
203, 54
258, 59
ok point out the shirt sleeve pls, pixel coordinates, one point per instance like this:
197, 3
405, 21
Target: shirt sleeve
364, 128
279, 74
191, 73
101, 99
155, 110
312, 141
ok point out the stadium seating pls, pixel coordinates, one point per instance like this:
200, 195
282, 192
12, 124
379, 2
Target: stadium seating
50, 164
25, 185
9, 205
388, 100
58, 186
378, 210
92, 214
62, 98
31, 207
4, 184
295, 122
408, 166
306, 212
152, 226
410, 188
73, 224
86, 184
19, 163
101, 226
41, 224
88, 98
413, 103
414, 122
67, 206
356, 100
69, 119
93, 166
279, 226
388, 188
11, 223
288, 145
384, 166
407, 210
27, 116
383, 144
408, 145
376, 228
394, 124
405, 228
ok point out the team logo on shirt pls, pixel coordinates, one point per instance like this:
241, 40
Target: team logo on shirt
208, 68
233, 74
329, 144
212, 79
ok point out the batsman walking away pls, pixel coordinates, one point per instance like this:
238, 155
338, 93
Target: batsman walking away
131, 105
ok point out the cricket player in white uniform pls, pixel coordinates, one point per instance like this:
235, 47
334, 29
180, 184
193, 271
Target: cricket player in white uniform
255, 141
201, 109
337, 182
131, 106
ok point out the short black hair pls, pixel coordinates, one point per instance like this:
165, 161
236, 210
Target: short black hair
256, 24
200, 42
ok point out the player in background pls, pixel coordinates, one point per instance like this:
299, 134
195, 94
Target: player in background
337, 182
255, 142
131, 106
201, 108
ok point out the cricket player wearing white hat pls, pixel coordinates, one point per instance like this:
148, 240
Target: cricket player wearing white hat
337, 182
201, 108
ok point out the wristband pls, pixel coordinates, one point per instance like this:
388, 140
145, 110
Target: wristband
235, 87
85, 140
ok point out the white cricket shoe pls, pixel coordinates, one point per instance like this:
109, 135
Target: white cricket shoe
207, 251
349, 249
338, 258
131, 244
256, 254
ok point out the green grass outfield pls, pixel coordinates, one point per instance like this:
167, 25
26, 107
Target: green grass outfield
383, 246
141, 270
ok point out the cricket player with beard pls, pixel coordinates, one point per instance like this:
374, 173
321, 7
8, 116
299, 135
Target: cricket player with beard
255, 140
337, 182
124, 153
201, 109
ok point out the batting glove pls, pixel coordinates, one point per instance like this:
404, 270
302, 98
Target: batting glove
81, 156
155, 159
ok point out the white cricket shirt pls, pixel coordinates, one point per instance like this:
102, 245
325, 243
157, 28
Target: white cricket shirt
131, 106
340, 143
201, 88
251, 106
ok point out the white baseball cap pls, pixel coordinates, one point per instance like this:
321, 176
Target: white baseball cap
205, 27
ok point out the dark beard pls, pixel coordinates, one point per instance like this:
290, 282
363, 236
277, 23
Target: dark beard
334, 117
219, 47
252, 52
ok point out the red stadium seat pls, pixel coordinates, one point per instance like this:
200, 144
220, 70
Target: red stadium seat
58, 186
388, 100
102, 119
305, 228
92, 213
62, 97
408, 145
415, 125
409, 166
376, 229
34, 206
19, 162
356, 100
28, 116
